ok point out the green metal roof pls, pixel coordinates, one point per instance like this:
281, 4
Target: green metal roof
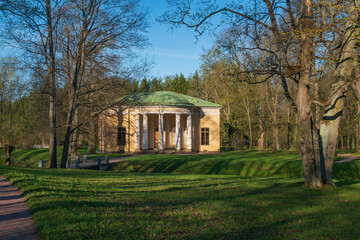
164, 98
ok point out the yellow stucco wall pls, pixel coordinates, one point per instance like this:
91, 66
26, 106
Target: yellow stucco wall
201, 117
211, 120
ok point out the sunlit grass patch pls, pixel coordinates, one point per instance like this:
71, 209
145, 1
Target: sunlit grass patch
83, 204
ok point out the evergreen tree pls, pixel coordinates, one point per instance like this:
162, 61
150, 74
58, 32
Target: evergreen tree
180, 84
144, 86
156, 85
195, 86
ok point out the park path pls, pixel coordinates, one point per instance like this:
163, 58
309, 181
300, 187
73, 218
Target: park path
15, 219
347, 157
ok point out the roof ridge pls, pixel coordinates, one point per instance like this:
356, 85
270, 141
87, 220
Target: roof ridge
164, 97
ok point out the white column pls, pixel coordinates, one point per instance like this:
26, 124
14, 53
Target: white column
177, 133
151, 131
145, 132
161, 132
137, 132
167, 133
189, 139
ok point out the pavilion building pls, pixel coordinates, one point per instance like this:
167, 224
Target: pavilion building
160, 121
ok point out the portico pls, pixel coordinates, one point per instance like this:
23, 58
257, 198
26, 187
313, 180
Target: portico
165, 130
173, 121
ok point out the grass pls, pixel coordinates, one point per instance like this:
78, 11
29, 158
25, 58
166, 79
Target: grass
31, 157
245, 164
85, 204
233, 163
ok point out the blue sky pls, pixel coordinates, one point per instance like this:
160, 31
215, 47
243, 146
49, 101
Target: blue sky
173, 52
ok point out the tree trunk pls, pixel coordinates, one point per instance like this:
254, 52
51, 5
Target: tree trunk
248, 114
275, 145
74, 136
261, 136
310, 168
91, 148
330, 124
52, 85
329, 132
251, 146
358, 128
288, 133
261, 145
92, 136
8, 150
75, 87
356, 88
68, 134
311, 164
348, 141
353, 143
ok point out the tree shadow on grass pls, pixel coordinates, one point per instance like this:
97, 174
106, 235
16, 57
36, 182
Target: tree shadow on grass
271, 212
206, 208
348, 170
342, 183
230, 164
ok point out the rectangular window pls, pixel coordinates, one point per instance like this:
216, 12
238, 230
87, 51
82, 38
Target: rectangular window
121, 137
205, 136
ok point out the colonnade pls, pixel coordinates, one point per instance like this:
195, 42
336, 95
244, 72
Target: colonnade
164, 122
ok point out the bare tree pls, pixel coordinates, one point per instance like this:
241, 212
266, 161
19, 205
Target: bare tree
10, 120
95, 30
301, 40
31, 26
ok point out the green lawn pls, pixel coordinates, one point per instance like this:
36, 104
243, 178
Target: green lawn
232, 163
85, 204
31, 157
245, 164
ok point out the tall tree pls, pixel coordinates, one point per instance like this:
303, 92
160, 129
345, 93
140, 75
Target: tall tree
144, 86
297, 29
156, 85
31, 25
10, 114
94, 30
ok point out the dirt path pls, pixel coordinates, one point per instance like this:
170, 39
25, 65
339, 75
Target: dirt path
15, 219
347, 157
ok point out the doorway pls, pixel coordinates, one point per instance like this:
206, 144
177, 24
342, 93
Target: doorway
156, 137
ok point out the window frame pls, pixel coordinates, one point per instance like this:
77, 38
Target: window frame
121, 136
205, 136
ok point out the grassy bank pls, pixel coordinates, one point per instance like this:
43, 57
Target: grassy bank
233, 163
83, 204
31, 157
245, 164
